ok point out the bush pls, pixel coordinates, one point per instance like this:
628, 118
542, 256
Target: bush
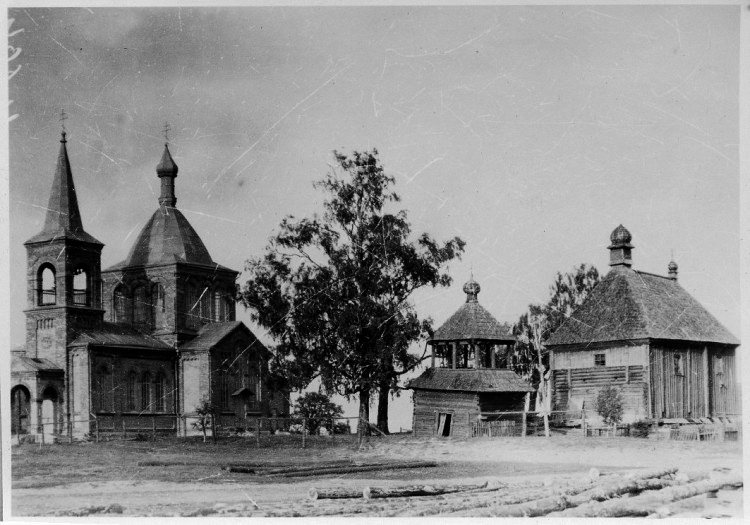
609, 405
318, 409
640, 429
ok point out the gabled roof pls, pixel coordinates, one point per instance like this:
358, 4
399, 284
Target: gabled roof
112, 334
470, 380
629, 304
212, 334
21, 363
63, 219
471, 321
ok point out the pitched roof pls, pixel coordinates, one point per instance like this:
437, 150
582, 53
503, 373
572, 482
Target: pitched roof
471, 321
112, 334
20, 363
629, 304
63, 219
212, 334
470, 380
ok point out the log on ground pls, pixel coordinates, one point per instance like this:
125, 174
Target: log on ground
354, 469
417, 490
650, 502
334, 493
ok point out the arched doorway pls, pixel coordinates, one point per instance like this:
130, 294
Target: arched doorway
50, 411
20, 401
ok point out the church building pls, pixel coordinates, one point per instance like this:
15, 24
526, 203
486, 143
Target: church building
642, 333
136, 345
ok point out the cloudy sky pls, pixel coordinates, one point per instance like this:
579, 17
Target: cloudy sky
531, 132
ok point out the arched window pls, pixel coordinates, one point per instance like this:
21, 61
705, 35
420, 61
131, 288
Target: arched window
228, 308
146, 391
119, 307
46, 286
140, 315
205, 306
191, 306
130, 391
160, 392
103, 389
157, 305
81, 292
218, 306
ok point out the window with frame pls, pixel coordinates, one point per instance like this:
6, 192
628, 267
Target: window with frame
159, 392
130, 386
678, 365
600, 360
146, 391
119, 309
140, 314
81, 293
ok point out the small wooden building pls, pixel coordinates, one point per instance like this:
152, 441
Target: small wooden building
644, 334
468, 373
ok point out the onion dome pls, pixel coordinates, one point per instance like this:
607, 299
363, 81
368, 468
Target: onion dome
672, 268
620, 237
471, 289
167, 171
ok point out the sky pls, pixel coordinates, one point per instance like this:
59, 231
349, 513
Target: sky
529, 131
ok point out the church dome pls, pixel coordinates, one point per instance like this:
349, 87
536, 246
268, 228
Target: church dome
168, 237
471, 289
620, 236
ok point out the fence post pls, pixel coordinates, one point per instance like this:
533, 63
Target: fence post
333, 429
96, 429
526, 403
583, 422
70, 432
304, 431
153, 427
257, 432
42, 442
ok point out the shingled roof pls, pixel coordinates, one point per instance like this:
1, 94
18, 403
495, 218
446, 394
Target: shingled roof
471, 321
629, 304
470, 380
115, 334
212, 334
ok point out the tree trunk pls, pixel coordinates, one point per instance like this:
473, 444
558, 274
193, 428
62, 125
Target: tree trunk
384, 391
364, 413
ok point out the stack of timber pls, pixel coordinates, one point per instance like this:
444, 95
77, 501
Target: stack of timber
324, 469
656, 492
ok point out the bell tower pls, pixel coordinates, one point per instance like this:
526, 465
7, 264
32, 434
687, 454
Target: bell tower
63, 272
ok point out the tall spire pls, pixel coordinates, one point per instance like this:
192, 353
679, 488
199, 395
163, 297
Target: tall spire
63, 219
167, 171
62, 210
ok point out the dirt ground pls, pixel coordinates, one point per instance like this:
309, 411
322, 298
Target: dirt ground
99, 478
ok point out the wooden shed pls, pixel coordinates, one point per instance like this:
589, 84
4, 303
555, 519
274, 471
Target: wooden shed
644, 334
468, 373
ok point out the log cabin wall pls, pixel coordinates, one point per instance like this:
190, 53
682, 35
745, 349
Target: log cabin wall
578, 375
501, 401
679, 387
463, 407
724, 390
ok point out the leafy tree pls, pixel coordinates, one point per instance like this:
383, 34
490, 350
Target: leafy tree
318, 409
206, 413
334, 290
530, 357
609, 405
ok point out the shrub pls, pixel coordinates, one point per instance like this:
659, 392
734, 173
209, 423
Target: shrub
318, 409
640, 429
609, 405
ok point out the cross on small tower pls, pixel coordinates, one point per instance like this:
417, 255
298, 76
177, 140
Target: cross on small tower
166, 130
63, 118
